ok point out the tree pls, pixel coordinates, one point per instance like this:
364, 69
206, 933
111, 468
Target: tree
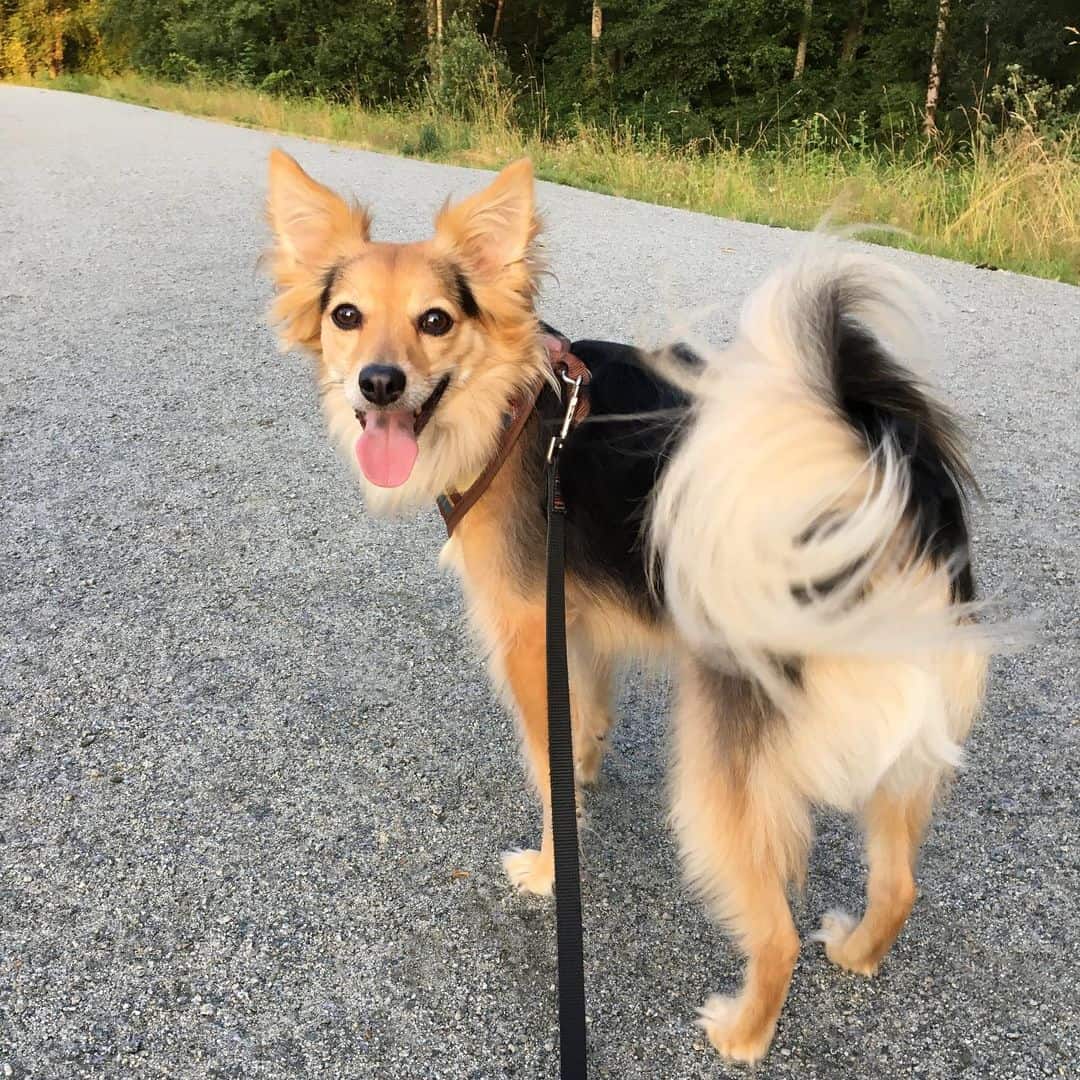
690, 69
804, 35
854, 32
596, 30
933, 85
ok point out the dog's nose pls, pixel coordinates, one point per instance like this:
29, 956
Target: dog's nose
382, 383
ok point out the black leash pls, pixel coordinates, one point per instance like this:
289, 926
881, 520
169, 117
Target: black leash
571, 958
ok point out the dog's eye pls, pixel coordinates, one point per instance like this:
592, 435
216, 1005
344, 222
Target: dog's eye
435, 322
347, 316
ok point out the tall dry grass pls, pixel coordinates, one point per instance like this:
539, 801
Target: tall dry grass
1008, 199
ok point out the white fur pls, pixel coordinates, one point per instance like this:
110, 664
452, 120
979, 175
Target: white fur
737, 519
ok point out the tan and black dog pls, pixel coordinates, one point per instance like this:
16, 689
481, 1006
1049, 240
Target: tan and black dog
783, 523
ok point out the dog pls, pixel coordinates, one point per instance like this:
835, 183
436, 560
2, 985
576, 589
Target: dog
783, 523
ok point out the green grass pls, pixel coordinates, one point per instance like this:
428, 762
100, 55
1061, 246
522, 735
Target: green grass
1012, 201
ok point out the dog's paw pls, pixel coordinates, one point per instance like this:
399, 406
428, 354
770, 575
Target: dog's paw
530, 871
588, 761
737, 1036
836, 931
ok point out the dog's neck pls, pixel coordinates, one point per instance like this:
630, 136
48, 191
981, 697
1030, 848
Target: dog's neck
563, 367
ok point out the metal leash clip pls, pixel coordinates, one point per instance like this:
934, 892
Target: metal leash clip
571, 407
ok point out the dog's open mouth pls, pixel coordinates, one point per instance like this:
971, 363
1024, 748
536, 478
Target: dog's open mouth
386, 450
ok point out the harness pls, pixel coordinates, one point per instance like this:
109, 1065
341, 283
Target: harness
573, 381
568, 370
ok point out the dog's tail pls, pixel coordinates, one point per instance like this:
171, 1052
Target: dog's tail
815, 505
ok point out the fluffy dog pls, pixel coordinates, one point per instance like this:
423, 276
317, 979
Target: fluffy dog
783, 523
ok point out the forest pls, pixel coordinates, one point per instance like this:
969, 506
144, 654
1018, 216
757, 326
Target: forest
955, 124
884, 69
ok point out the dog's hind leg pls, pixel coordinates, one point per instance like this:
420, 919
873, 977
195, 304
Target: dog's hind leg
744, 835
895, 819
590, 708
894, 824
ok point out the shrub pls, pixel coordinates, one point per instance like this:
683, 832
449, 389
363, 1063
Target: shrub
470, 79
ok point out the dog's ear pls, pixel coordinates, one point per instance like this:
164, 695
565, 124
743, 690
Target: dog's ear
312, 225
493, 231
315, 230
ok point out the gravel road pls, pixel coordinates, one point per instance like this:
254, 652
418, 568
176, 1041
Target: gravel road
253, 785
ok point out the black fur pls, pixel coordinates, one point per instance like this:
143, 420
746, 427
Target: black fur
329, 281
458, 289
465, 298
742, 710
610, 466
881, 401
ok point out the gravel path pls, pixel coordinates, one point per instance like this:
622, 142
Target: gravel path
253, 785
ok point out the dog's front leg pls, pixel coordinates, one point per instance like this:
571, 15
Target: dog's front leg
523, 659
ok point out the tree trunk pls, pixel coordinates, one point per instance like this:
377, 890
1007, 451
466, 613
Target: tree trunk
498, 20
597, 29
853, 34
429, 17
56, 53
933, 85
804, 34
438, 45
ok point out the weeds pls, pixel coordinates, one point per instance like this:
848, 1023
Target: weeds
1008, 195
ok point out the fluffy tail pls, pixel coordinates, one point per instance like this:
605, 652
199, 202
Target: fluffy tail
815, 505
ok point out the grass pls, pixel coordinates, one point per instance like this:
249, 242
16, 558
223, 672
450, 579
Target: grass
1012, 201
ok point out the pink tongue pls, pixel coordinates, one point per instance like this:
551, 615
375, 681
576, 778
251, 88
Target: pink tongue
387, 448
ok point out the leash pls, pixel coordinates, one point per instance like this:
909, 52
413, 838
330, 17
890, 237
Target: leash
453, 506
571, 957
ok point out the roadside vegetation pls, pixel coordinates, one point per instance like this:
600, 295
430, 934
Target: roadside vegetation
989, 174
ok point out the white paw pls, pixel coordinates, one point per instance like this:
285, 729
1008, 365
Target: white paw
836, 930
723, 1019
530, 871
836, 927
590, 758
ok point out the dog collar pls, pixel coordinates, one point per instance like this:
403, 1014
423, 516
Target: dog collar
454, 505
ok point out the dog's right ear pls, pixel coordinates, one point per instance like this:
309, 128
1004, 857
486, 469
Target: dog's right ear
315, 230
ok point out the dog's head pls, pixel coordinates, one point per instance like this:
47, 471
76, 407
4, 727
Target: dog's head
420, 345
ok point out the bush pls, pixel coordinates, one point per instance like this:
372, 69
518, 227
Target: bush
1026, 101
41, 37
470, 79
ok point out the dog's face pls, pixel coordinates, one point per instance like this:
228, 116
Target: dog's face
420, 345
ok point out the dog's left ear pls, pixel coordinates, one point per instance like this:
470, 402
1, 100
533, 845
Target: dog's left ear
493, 231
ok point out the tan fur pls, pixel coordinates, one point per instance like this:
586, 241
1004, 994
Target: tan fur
393, 284
889, 687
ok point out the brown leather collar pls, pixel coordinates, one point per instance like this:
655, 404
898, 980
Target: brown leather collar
454, 505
